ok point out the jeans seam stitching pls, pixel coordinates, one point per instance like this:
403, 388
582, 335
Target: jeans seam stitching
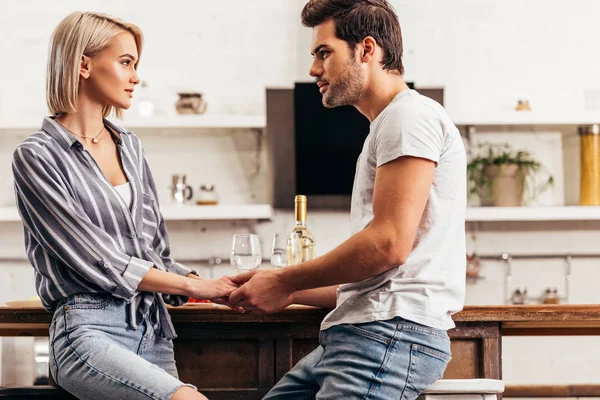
410, 361
365, 333
424, 330
386, 357
440, 355
179, 387
90, 306
320, 359
54, 357
139, 346
102, 372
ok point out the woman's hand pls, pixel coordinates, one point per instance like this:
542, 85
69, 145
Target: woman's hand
209, 289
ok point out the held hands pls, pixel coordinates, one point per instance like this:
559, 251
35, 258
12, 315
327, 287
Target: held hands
261, 292
210, 288
216, 290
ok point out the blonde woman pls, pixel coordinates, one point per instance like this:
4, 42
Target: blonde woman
93, 230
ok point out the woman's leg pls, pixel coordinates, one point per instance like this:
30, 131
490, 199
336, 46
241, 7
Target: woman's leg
93, 358
159, 352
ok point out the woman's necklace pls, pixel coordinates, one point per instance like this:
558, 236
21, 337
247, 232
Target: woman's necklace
94, 139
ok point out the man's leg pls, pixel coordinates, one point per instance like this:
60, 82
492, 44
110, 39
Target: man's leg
383, 360
299, 383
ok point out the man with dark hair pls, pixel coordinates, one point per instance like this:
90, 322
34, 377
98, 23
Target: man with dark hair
401, 275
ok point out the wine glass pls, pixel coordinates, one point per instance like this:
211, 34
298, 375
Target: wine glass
286, 250
245, 252
281, 252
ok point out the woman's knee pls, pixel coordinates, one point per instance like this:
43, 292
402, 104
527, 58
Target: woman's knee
187, 393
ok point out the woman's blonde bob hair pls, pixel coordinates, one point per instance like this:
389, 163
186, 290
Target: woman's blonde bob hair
79, 34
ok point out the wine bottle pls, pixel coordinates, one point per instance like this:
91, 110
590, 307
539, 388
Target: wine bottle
301, 243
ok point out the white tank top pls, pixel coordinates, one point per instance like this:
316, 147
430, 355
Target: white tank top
124, 191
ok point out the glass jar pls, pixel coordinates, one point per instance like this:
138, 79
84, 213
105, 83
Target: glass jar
589, 188
551, 296
207, 196
519, 296
190, 103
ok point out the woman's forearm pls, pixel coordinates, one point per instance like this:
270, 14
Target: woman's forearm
169, 283
165, 282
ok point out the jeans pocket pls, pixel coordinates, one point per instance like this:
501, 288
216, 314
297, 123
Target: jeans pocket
366, 333
53, 366
427, 365
85, 309
88, 301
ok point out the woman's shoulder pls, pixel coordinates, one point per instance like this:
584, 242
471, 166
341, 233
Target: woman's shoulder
35, 143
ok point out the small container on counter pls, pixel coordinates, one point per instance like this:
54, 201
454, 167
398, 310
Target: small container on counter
207, 196
181, 192
191, 103
519, 296
551, 296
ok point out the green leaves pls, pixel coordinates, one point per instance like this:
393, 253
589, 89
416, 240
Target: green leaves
489, 155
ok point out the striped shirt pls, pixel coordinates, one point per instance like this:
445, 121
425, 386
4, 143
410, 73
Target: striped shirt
80, 235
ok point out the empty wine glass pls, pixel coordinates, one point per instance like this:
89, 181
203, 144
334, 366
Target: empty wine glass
285, 250
245, 252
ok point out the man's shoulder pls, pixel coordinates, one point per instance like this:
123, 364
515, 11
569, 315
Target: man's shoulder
411, 111
415, 106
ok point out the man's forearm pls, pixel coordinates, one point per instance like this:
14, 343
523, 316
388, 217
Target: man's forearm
360, 257
321, 297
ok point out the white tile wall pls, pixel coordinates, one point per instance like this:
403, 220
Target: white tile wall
486, 54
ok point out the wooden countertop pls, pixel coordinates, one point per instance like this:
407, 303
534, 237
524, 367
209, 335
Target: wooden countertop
562, 319
578, 390
535, 319
530, 312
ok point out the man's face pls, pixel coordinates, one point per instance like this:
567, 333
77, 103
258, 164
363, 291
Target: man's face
335, 67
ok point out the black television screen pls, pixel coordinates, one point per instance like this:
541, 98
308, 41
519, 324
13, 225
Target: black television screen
328, 142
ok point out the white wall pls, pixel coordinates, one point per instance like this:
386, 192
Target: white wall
486, 54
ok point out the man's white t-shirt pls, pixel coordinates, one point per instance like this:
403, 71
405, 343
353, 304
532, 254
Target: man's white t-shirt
430, 286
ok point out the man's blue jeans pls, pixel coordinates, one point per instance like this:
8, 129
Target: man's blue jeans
383, 360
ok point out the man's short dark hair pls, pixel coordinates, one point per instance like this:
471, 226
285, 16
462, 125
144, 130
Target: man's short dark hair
355, 20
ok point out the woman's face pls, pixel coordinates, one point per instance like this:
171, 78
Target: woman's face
111, 76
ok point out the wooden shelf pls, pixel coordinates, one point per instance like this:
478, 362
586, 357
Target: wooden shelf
218, 212
564, 213
187, 212
158, 122
528, 118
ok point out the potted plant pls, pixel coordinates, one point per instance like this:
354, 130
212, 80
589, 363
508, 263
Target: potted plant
500, 175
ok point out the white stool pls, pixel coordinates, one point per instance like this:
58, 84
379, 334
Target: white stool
463, 389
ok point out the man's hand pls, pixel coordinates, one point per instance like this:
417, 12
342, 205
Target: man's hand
224, 300
261, 292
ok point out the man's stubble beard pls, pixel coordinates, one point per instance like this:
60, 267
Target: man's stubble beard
347, 88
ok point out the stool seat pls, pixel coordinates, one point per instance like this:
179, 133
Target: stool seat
34, 392
464, 389
449, 386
